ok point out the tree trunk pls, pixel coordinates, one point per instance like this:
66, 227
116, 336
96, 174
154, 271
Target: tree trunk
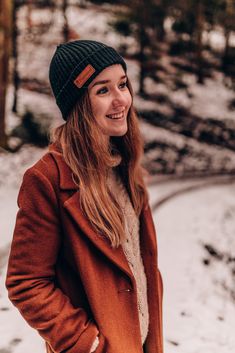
29, 15
142, 39
65, 26
142, 60
226, 50
228, 28
199, 45
15, 57
160, 30
159, 27
5, 47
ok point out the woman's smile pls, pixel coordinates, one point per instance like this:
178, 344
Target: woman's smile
117, 116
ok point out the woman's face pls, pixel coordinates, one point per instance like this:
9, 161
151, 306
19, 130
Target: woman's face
110, 100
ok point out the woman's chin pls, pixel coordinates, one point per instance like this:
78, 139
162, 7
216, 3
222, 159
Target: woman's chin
119, 133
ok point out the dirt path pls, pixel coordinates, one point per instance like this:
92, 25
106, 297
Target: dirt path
174, 188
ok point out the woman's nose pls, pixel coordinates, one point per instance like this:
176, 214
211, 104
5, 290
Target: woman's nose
118, 99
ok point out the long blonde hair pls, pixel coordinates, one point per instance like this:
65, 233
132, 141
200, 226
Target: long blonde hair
89, 159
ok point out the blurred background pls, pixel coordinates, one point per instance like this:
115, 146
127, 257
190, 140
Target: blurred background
181, 62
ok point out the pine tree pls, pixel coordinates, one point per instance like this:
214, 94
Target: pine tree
190, 18
228, 18
143, 20
16, 79
5, 47
65, 26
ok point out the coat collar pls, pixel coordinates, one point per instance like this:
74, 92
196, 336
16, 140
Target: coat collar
65, 174
72, 205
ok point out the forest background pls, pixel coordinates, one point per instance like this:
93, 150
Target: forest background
181, 61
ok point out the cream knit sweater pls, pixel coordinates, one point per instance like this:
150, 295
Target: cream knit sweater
131, 248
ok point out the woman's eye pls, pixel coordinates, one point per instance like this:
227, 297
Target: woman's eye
123, 85
102, 90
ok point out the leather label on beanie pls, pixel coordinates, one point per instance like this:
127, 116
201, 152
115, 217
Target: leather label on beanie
84, 76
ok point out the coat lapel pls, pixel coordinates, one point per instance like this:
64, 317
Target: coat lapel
148, 238
72, 206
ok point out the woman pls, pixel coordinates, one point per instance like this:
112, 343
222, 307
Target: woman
83, 263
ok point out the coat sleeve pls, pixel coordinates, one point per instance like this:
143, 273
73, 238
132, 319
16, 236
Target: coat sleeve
31, 270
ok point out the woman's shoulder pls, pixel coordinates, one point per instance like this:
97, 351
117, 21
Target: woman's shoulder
51, 167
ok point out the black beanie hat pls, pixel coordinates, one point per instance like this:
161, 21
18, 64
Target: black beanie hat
74, 66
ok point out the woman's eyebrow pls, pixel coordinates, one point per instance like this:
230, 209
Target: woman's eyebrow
106, 81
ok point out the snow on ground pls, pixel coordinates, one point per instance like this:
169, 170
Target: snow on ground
211, 158
211, 98
15, 334
15, 164
199, 312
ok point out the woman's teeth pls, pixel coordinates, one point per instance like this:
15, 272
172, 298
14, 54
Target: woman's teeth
116, 116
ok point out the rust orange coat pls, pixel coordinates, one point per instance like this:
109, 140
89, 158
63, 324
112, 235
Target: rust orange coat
67, 281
